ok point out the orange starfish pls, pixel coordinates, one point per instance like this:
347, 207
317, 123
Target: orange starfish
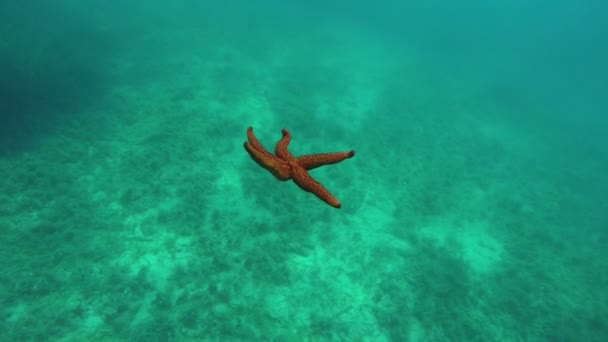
284, 166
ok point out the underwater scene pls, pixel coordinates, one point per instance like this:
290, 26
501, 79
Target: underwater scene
236, 170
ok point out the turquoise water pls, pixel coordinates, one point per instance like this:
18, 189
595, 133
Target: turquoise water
475, 207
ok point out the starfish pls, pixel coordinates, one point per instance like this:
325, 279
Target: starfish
284, 166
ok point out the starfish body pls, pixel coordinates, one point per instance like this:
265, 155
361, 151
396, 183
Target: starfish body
284, 166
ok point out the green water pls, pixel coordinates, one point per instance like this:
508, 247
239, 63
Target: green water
475, 208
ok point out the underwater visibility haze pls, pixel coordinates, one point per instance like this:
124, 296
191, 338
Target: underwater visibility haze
475, 208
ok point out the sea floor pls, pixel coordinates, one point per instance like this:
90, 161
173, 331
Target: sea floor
141, 217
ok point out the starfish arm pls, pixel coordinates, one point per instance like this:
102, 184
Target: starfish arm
255, 144
281, 148
312, 161
309, 184
279, 168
